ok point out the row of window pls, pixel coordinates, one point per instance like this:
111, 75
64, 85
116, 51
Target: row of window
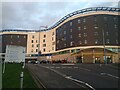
18, 36
95, 27
85, 42
44, 49
95, 19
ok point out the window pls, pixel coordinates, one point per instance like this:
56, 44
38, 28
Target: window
64, 32
84, 20
79, 28
95, 19
32, 36
44, 45
116, 41
32, 50
70, 36
32, 41
70, 23
115, 26
24, 36
79, 35
95, 26
53, 33
80, 42
70, 30
107, 41
65, 45
36, 41
18, 36
96, 33
52, 48
107, 33
52, 38
43, 40
44, 50
84, 27
105, 18
37, 45
71, 43
44, 36
78, 20
36, 50
96, 41
85, 41
32, 45
11, 36
85, 34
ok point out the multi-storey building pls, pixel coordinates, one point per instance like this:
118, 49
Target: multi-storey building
89, 35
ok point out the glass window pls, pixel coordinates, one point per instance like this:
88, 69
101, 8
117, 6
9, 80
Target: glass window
18, 36
115, 26
36, 41
36, 50
32, 45
43, 40
105, 18
32, 36
53, 33
52, 48
79, 35
70, 30
37, 45
96, 33
78, 20
64, 32
32, 41
84, 20
44, 36
70, 23
70, 36
85, 41
79, 28
96, 41
85, 34
44, 50
80, 42
71, 43
107, 33
44, 45
107, 41
32, 50
65, 45
52, 38
11, 36
24, 36
95, 26
85, 27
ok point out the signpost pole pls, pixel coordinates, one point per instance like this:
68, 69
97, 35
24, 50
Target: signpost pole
4, 67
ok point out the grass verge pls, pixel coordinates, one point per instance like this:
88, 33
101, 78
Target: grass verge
11, 77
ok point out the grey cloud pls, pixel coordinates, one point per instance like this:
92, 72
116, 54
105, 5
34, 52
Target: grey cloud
33, 14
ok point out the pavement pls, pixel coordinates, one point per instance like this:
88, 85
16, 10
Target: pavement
92, 76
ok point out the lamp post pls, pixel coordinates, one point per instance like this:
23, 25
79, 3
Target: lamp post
104, 46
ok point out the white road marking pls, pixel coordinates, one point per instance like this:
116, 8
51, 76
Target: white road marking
112, 76
75, 67
85, 69
69, 77
68, 64
57, 67
63, 67
109, 75
51, 67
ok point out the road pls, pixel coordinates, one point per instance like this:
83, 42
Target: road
93, 76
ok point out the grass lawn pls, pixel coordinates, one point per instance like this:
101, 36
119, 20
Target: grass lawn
11, 77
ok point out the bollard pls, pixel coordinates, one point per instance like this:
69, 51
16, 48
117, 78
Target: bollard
21, 80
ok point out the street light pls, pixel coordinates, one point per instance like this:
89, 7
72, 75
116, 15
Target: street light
104, 46
39, 52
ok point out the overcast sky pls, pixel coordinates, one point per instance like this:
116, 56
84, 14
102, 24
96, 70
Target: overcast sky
31, 15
